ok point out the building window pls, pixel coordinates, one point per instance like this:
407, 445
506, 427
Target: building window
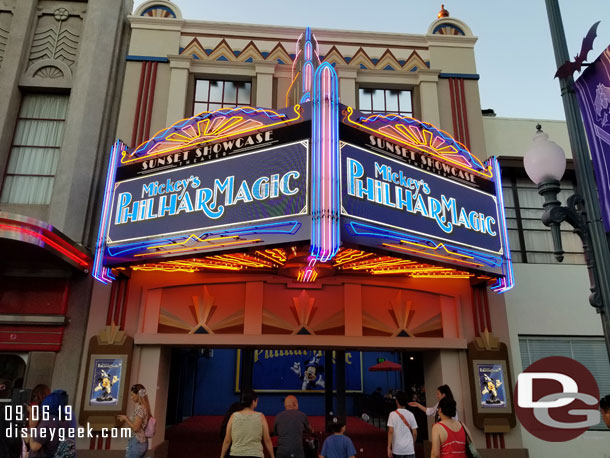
385, 101
530, 240
213, 94
589, 351
34, 155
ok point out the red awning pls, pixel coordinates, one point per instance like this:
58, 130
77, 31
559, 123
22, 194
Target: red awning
386, 366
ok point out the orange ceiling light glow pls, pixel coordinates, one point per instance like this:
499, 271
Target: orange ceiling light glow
243, 260
450, 274
378, 263
307, 275
190, 266
389, 265
275, 255
348, 255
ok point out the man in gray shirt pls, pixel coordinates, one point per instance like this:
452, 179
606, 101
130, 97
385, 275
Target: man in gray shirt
289, 427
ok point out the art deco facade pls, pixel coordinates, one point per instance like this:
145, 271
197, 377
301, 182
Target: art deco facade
74, 83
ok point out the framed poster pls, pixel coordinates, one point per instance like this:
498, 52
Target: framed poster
289, 371
491, 387
105, 382
492, 393
104, 387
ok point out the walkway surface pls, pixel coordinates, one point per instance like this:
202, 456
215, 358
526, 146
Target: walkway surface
199, 437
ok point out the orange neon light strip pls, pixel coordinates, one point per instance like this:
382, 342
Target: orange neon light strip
410, 270
440, 245
385, 261
488, 174
242, 259
239, 242
193, 237
410, 250
182, 267
126, 160
455, 275
291, 84
350, 255
276, 257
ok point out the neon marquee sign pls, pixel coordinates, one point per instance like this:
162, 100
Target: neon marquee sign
208, 195
317, 172
382, 190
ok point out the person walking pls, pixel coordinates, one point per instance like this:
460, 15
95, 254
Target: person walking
245, 431
442, 392
448, 435
45, 441
137, 445
289, 427
338, 445
402, 430
39, 393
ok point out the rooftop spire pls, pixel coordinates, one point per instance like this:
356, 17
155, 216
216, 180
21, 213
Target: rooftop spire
443, 12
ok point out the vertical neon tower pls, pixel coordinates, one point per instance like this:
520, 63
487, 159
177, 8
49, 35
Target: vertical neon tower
325, 199
101, 273
308, 68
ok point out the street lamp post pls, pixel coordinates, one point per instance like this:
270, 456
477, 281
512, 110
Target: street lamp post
545, 164
582, 210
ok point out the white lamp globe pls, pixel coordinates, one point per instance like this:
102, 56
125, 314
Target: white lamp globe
544, 160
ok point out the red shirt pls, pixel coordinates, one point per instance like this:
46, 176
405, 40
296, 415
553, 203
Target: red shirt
455, 444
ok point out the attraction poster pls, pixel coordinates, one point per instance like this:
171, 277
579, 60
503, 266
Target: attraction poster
491, 385
106, 382
300, 370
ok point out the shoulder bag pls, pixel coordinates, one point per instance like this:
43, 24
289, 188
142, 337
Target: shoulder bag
471, 450
404, 420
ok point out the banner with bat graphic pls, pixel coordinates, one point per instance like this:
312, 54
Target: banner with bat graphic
593, 91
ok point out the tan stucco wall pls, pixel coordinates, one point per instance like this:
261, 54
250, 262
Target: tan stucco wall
513, 136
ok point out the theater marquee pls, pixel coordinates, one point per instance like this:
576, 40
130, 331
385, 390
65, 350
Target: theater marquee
318, 173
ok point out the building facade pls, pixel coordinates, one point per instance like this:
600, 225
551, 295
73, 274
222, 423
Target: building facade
61, 65
254, 297
178, 68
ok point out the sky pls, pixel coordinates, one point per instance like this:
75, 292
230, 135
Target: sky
514, 52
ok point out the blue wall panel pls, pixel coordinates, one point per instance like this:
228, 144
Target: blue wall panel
215, 386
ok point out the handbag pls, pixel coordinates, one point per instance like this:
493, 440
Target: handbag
471, 450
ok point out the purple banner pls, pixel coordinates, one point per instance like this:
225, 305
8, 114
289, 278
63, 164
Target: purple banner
593, 91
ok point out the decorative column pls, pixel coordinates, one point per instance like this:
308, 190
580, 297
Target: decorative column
264, 83
347, 84
178, 84
428, 88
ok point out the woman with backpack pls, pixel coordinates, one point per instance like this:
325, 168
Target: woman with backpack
137, 445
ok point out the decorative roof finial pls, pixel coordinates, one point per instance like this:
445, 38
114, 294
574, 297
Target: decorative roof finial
443, 12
